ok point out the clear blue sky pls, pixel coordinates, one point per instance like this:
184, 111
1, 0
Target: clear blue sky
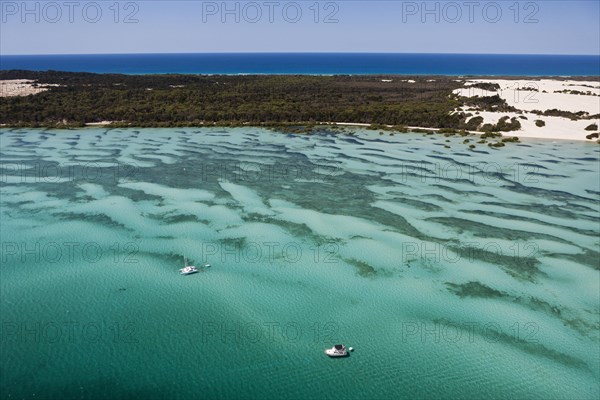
155, 26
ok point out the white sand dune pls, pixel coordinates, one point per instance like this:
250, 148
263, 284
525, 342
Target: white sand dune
21, 87
542, 95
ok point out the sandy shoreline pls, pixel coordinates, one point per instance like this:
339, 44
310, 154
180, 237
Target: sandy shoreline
528, 129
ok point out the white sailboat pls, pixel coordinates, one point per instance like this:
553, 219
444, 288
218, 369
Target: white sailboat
187, 269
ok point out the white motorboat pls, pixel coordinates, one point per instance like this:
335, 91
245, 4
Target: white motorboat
339, 350
187, 269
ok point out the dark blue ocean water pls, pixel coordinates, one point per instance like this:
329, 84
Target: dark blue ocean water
311, 63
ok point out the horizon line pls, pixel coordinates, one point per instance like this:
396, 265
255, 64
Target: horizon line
296, 52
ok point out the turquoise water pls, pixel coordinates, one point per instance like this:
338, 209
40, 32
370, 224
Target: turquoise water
453, 273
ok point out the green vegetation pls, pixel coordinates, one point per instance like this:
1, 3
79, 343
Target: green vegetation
540, 123
486, 86
291, 103
592, 136
588, 93
592, 127
487, 103
528, 89
474, 123
566, 114
448, 131
199, 100
503, 125
491, 135
420, 130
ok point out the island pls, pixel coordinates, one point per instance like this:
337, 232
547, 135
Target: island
518, 107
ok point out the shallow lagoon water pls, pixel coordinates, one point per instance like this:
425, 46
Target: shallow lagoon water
453, 273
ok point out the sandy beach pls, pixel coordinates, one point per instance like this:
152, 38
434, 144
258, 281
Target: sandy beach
541, 95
